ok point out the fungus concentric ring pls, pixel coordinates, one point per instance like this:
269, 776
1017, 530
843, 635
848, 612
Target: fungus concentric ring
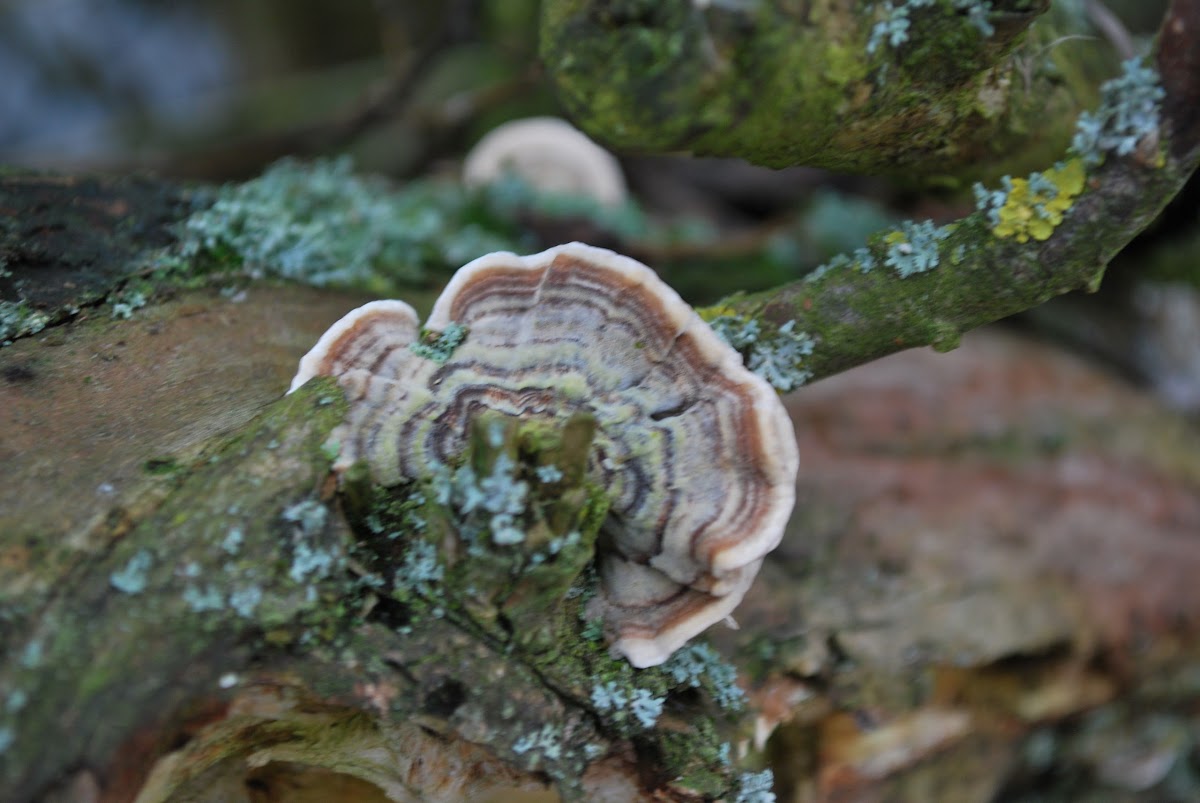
696, 453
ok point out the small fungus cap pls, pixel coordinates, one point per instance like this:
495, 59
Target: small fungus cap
696, 453
551, 155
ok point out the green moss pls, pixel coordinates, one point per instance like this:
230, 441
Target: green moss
780, 86
161, 466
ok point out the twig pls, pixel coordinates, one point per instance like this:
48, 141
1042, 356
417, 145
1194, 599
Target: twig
857, 317
1111, 26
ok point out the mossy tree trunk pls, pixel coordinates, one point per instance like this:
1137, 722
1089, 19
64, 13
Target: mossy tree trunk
944, 90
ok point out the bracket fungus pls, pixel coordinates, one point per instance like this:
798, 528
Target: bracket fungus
550, 154
695, 453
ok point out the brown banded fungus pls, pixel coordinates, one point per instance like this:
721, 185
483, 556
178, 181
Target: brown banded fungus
696, 454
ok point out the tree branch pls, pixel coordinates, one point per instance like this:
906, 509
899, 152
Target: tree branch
921, 90
981, 276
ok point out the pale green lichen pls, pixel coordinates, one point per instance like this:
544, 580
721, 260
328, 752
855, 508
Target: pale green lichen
438, 346
548, 474
124, 308
893, 29
1128, 114
737, 331
133, 577
646, 708
19, 319
756, 787
699, 665
862, 258
978, 12
420, 572
15, 701
33, 654
778, 358
546, 743
246, 600
913, 248
201, 599
612, 697
492, 503
309, 514
232, 543
310, 561
321, 224
609, 696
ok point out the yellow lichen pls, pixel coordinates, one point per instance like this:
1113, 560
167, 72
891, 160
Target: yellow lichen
1035, 206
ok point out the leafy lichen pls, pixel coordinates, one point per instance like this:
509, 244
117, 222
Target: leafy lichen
913, 248
893, 29
780, 359
617, 699
736, 331
545, 743
438, 346
203, 598
699, 665
420, 571
321, 224
133, 577
1032, 207
646, 708
1128, 113
492, 503
756, 787
777, 358
19, 319
246, 600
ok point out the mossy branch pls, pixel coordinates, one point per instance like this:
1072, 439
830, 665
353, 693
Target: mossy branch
923, 285
119, 642
244, 603
926, 89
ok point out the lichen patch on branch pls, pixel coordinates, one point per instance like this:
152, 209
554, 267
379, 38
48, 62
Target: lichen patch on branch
1128, 114
779, 358
1032, 207
913, 248
893, 29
